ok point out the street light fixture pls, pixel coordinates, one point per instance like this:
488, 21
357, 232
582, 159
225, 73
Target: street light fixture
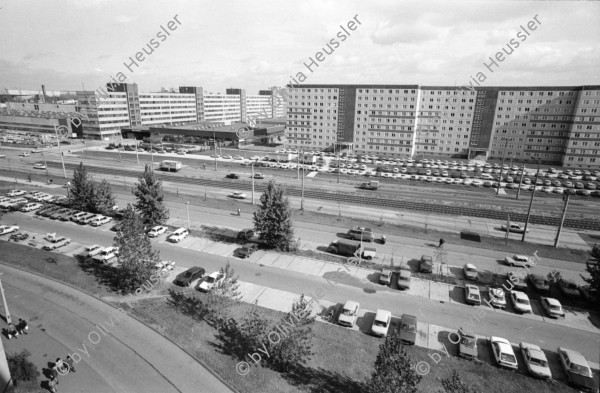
538, 159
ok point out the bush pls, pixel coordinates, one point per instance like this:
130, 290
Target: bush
21, 369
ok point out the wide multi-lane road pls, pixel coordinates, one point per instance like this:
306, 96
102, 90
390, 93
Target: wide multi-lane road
513, 327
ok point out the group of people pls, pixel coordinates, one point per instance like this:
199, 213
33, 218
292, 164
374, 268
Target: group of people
20, 328
62, 368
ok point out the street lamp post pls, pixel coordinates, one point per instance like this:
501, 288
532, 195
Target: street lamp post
6, 312
137, 155
252, 184
302, 194
531, 200
187, 206
501, 168
521, 181
562, 219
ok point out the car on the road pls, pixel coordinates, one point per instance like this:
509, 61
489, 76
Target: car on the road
385, 277
552, 307
381, 323
57, 242
98, 221
497, 297
246, 250
178, 235
188, 277
470, 271
472, 294
16, 193
39, 166
426, 264
520, 260
349, 314
24, 154
520, 302
157, 231
467, 347
569, 288
5, 229
577, 369
538, 282
404, 277
360, 233
503, 353
259, 176
90, 251
209, 282
31, 207
408, 329
233, 176
237, 195
517, 280
535, 360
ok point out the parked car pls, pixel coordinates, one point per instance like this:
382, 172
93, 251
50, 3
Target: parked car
589, 294
521, 301
16, 193
360, 233
470, 271
516, 228
538, 282
98, 221
57, 242
90, 251
246, 250
552, 307
245, 235
188, 277
577, 369
237, 195
408, 329
5, 229
472, 294
569, 288
467, 347
381, 323
157, 231
106, 254
211, 281
31, 207
497, 297
517, 280
178, 235
503, 353
39, 166
349, 314
426, 264
259, 176
520, 260
404, 277
385, 277
85, 218
535, 360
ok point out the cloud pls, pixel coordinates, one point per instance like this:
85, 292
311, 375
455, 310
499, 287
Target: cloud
36, 56
387, 33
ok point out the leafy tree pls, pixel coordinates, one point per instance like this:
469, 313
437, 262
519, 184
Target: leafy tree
102, 199
554, 276
81, 189
394, 372
454, 384
295, 346
150, 197
251, 333
21, 368
593, 268
229, 287
273, 219
136, 257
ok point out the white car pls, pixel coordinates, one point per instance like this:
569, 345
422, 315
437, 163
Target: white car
100, 221
520, 260
497, 297
210, 281
90, 251
503, 353
157, 230
39, 166
349, 314
31, 206
381, 323
477, 183
552, 307
178, 235
521, 301
16, 193
4, 229
535, 360
106, 254
237, 195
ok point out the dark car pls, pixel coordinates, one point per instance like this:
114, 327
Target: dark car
569, 288
186, 278
538, 282
408, 329
468, 344
246, 250
232, 176
116, 227
426, 264
245, 235
56, 215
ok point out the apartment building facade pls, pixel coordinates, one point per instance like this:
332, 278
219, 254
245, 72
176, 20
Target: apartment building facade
558, 125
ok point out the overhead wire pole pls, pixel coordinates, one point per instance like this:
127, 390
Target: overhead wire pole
252, 183
501, 168
62, 158
302, 194
531, 200
562, 219
521, 181
215, 142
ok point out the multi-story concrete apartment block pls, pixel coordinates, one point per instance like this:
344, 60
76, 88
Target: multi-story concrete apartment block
167, 108
220, 107
104, 116
557, 125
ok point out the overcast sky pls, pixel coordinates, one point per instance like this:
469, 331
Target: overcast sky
255, 44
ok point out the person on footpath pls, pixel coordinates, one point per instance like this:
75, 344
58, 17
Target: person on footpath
12, 331
442, 241
69, 361
22, 326
52, 384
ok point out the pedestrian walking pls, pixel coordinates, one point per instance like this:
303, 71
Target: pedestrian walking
204, 166
22, 326
442, 241
12, 331
69, 361
60, 366
52, 384
239, 212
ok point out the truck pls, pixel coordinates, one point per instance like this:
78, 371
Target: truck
171, 166
350, 248
370, 185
